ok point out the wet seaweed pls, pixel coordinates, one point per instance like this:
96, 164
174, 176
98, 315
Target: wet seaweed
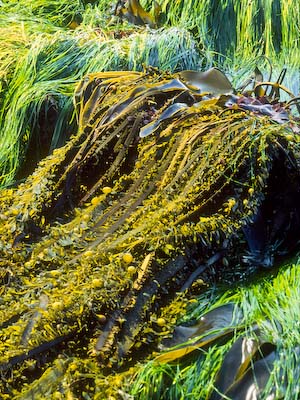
111, 226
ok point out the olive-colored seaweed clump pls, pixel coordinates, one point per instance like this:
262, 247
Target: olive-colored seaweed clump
164, 181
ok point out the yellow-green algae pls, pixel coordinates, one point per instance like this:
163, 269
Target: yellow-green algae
270, 304
25, 267
193, 185
193, 34
39, 70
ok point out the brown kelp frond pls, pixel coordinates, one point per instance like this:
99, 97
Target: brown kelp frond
258, 358
135, 13
248, 360
211, 81
36, 106
275, 87
37, 85
216, 325
117, 220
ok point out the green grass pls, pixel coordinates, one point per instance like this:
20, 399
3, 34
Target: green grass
272, 303
57, 12
228, 26
36, 67
41, 59
40, 56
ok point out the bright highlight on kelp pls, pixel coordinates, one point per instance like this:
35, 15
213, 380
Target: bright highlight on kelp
39, 73
63, 333
24, 26
213, 173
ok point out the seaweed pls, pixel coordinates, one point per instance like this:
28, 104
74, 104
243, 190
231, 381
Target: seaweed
115, 224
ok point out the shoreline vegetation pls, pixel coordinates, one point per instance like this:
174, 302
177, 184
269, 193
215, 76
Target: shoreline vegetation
149, 208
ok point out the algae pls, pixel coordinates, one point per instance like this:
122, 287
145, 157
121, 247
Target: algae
111, 226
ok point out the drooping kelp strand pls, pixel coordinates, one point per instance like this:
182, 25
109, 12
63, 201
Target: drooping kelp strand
169, 177
39, 72
35, 78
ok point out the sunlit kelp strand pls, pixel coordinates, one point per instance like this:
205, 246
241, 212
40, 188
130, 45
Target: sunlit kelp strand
144, 208
166, 51
271, 70
59, 296
48, 71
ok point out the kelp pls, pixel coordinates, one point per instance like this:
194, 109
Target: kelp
39, 73
259, 359
135, 13
98, 239
114, 224
100, 42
